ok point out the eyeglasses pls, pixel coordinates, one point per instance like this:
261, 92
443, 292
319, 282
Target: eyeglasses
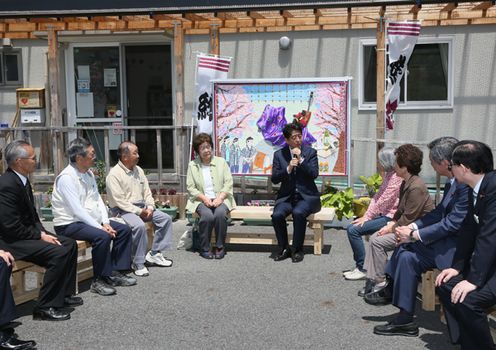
451, 165
32, 158
205, 148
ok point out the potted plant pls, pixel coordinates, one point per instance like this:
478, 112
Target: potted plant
372, 184
165, 207
176, 199
341, 201
46, 209
100, 170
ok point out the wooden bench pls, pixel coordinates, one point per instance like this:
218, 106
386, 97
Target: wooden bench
315, 222
20, 289
427, 290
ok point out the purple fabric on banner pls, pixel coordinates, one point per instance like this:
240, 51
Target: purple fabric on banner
308, 139
271, 123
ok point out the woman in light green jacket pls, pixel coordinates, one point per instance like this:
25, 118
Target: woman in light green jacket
210, 189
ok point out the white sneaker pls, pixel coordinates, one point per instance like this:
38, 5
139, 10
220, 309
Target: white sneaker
143, 272
355, 275
347, 272
158, 259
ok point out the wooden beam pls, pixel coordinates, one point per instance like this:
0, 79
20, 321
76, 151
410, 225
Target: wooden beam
194, 17
483, 5
179, 68
224, 15
449, 7
255, 15
416, 9
55, 112
286, 14
380, 80
214, 40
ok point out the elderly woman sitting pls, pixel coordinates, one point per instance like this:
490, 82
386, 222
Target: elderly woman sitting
415, 202
210, 188
380, 211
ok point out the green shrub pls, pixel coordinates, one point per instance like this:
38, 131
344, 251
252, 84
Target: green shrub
372, 183
341, 201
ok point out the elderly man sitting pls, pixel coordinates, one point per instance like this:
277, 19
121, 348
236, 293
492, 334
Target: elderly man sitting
79, 213
130, 197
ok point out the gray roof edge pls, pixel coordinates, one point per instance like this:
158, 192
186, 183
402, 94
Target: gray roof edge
68, 11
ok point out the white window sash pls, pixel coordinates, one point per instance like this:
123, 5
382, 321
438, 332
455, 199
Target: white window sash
408, 105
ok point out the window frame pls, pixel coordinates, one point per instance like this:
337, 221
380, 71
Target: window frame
408, 105
3, 81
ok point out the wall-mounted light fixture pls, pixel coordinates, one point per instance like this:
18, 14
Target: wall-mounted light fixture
284, 43
6, 42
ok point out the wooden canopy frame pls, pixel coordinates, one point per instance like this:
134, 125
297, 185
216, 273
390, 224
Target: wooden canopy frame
284, 20
351, 15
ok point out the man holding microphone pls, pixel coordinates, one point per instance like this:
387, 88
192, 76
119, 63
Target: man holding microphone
296, 167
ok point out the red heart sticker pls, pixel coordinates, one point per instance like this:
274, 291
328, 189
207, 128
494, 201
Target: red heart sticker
24, 100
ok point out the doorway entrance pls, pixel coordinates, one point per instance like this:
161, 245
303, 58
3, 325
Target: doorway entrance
149, 100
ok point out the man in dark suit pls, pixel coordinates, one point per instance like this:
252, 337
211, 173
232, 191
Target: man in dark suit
23, 235
427, 243
8, 339
295, 166
468, 287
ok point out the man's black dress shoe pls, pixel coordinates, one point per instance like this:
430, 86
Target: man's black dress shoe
283, 254
50, 314
407, 329
297, 257
9, 341
73, 301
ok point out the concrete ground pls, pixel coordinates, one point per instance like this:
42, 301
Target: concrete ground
245, 301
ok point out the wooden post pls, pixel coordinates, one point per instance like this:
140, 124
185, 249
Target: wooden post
181, 158
214, 39
106, 145
381, 81
55, 113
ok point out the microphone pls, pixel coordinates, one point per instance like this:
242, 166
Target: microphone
295, 156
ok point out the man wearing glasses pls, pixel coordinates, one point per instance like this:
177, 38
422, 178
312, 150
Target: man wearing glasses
468, 287
296, 167
23, 235
427, 243
79, 213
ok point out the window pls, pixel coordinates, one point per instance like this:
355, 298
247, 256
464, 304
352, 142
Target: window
10, 67
428, 79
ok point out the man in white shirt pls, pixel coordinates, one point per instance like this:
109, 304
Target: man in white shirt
79, 213
130, 197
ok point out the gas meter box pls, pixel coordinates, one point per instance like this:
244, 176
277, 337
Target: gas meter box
31, 98
33, 116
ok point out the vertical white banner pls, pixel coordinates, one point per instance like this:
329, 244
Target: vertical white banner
208, 68
402, 37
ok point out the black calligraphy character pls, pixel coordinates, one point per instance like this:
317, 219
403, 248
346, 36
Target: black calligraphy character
396, 68
204, 105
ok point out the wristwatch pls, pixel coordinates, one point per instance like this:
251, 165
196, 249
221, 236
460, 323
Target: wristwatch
412, 238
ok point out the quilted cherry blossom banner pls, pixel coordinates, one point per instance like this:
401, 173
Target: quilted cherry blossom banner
249, 116
402, 37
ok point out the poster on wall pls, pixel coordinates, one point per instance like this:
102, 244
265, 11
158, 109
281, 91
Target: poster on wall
249, 116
